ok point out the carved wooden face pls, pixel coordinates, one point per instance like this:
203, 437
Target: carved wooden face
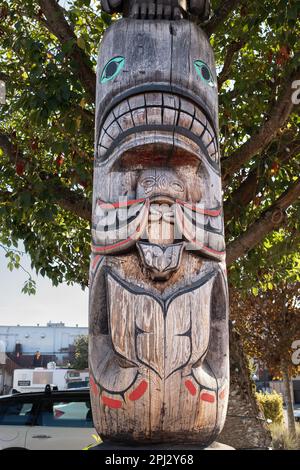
158, 304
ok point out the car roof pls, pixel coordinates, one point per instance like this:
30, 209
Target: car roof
69, 392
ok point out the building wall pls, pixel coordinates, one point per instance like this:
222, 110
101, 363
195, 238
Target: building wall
52, 339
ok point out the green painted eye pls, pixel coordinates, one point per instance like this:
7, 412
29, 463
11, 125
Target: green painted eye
204, 72
112, 69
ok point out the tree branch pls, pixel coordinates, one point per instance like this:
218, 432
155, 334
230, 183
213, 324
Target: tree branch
58, 25
8, 148
4, 77
246, 192
66, 198
271, 219
277, 117
241, 197
232, 49
72, 202
225, 8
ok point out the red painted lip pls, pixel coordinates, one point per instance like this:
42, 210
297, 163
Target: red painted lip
111, 402
115, 205
139, 391
211, 212
191, 387
99, 249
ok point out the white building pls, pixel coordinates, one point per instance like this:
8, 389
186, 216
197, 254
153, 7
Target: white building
18, 345
54, 339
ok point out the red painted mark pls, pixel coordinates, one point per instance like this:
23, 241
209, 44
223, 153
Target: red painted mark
97, 249
139, 391
193, 207
110, 402
222, 394
191, 387
207, 397
94, 387
113, 205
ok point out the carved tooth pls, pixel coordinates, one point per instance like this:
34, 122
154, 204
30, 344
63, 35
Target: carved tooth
161, 224
188, 107
206, 138
159, 11
170, 101
210, 129
114, 130
201, 117
101, 151
185, 120
169, 217
102, 134
137, 101
126, 121
106, 141
153, 99
154, 115
197, 128
155, 213
110, 118
139, 116
121, 108
169, 116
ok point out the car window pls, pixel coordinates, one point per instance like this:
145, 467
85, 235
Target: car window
16, 413
66, 413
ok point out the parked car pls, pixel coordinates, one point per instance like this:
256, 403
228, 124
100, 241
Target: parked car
297, 415
50, 420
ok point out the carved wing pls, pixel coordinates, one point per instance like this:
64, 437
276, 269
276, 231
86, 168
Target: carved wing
164, 339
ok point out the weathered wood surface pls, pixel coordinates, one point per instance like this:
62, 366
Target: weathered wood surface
158, 300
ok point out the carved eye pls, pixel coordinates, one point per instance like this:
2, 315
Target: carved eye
148, 183
204, 72
177, 186
112, 69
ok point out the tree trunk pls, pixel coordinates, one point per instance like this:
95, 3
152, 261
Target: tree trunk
288, 400
245, 426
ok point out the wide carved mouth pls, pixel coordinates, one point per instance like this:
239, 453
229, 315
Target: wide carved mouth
118, 226
152, 118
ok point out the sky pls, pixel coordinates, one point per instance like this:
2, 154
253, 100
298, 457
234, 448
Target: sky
68, 304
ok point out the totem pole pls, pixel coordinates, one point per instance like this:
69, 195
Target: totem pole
158, 289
